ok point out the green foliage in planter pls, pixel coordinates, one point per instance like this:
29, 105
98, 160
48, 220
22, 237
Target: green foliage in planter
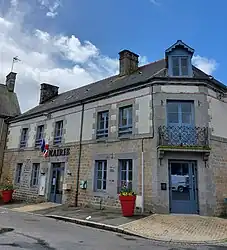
7, 186
125, 191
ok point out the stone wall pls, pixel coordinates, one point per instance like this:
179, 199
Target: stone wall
218, 164
112, 152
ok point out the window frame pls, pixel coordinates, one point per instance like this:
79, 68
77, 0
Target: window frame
179, 66
23, 136
180, 112
35, 175
18, 173
104, 169
102, 132
125, 129
120, 170
38, 139
58, 137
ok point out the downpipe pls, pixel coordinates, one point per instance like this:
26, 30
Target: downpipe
142, 150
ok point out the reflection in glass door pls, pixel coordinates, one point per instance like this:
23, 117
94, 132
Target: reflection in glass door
56, 183
183, 187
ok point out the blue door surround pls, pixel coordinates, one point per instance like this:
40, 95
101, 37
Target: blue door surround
183, 191
56, 184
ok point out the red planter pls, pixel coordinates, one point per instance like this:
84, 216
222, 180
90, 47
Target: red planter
7, 195
127, 205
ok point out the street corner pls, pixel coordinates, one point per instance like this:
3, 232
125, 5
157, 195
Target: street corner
192, 229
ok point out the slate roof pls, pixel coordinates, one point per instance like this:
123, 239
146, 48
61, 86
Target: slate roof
109, 85
9, 105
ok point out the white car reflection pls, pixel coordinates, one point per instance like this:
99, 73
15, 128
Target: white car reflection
180, 183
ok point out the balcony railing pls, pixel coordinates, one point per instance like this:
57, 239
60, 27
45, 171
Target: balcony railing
183, 136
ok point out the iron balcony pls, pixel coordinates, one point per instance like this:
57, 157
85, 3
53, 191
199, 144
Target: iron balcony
180, 136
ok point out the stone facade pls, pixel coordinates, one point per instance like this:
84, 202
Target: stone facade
144, 146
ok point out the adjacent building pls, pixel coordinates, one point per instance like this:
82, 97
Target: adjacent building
9, 108
160, 129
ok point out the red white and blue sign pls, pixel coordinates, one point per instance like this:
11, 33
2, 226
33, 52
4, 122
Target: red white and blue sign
44, 148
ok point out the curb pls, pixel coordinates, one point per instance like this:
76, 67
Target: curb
126, 232
94, 225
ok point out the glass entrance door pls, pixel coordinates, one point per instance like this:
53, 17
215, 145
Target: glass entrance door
183, 187
57, 178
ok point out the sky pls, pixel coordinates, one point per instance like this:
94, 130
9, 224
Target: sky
70, 43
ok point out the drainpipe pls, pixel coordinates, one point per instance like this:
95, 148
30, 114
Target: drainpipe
142, 150
79, 157
142, 176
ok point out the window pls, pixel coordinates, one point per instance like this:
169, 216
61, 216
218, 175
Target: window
39, 135
58, 132
102, 124
125, 120
35, 174
100, 175
125, 173
18, 173
180, 66
24, 136
180, 113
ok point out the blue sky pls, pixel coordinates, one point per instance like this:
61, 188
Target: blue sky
74, 42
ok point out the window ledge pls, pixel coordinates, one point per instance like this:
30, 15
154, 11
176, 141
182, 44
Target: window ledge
102, 139
125, 136
100, 194
58, 145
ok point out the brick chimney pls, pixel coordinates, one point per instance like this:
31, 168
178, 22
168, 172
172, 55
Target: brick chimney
47, 92
10, 81
128, 62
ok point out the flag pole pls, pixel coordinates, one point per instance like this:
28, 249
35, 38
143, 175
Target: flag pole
15, 59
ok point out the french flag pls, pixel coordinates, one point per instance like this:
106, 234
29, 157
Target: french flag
43, 143
44, 148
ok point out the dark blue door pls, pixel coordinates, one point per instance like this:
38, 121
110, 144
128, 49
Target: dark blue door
180, 123
183, 187
56, 183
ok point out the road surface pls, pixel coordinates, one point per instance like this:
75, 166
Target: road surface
27, 231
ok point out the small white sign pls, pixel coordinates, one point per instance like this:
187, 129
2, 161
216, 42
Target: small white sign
42, 184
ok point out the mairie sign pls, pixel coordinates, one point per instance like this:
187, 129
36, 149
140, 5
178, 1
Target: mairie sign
59, 152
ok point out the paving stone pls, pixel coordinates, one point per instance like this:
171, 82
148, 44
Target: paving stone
193, 228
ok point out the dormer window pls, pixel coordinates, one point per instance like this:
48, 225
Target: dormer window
180, 66
178, 58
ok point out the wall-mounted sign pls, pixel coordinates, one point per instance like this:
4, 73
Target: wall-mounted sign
59, 152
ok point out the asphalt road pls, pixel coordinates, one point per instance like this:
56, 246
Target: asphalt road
26, 231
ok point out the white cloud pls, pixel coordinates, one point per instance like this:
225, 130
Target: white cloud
51, 6
205, 64
56, 59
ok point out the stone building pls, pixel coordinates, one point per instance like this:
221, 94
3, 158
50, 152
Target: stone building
159, 128
9, 108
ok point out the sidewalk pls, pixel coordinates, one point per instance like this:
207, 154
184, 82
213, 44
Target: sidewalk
190, 229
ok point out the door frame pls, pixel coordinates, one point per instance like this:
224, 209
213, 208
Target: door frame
195, 181
62, 167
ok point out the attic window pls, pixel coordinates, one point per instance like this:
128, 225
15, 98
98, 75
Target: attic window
180, 65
